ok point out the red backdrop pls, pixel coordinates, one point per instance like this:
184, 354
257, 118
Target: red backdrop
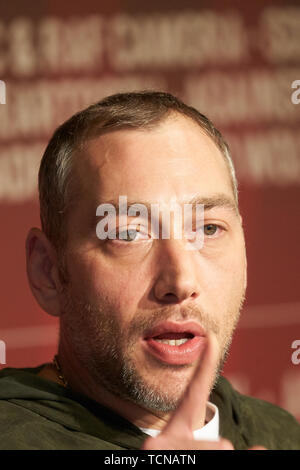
237, 66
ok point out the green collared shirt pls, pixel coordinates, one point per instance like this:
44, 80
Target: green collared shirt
36, 413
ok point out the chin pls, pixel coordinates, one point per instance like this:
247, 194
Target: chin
162, 394
153, 385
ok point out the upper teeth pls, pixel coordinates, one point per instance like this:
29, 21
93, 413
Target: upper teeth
173, 342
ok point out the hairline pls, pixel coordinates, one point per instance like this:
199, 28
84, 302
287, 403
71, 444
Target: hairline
82, 148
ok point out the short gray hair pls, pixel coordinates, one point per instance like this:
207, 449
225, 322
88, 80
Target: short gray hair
143, 109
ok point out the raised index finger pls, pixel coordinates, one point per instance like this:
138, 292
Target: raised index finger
192, 408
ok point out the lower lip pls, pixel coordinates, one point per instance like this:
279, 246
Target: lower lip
186, 353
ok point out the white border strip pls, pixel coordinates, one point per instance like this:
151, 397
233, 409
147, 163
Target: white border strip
258, 316
270, 316
30, 336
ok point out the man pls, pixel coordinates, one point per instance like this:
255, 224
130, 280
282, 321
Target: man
146, 320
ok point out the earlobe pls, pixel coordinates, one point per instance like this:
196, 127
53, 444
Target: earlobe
42, 271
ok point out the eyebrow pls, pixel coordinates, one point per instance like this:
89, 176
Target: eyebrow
218, 200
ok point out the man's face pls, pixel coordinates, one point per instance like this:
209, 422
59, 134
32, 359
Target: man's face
120, 291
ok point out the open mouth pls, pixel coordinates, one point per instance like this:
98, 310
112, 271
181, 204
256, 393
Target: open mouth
175, 343
173, 339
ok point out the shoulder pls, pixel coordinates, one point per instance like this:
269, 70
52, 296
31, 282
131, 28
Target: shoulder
263, 423
38, 414
23, 429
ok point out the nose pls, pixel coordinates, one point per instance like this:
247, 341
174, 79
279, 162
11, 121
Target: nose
177, 279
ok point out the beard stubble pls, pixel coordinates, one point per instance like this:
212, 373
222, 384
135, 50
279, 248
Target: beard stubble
107, 352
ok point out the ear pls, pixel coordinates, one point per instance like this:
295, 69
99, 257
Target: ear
42, 271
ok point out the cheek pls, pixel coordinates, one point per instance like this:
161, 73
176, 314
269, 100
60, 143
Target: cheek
226, 281
99, 283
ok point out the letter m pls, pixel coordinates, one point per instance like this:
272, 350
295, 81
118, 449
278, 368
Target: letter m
2, 92
2, 352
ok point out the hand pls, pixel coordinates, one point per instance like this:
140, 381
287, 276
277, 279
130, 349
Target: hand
178, 432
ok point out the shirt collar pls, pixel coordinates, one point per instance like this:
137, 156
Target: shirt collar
209, 432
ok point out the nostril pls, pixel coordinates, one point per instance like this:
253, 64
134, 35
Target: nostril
170, 297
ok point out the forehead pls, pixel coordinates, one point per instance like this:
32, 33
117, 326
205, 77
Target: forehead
175, 159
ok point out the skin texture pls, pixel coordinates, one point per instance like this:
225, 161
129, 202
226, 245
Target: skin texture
116, 290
